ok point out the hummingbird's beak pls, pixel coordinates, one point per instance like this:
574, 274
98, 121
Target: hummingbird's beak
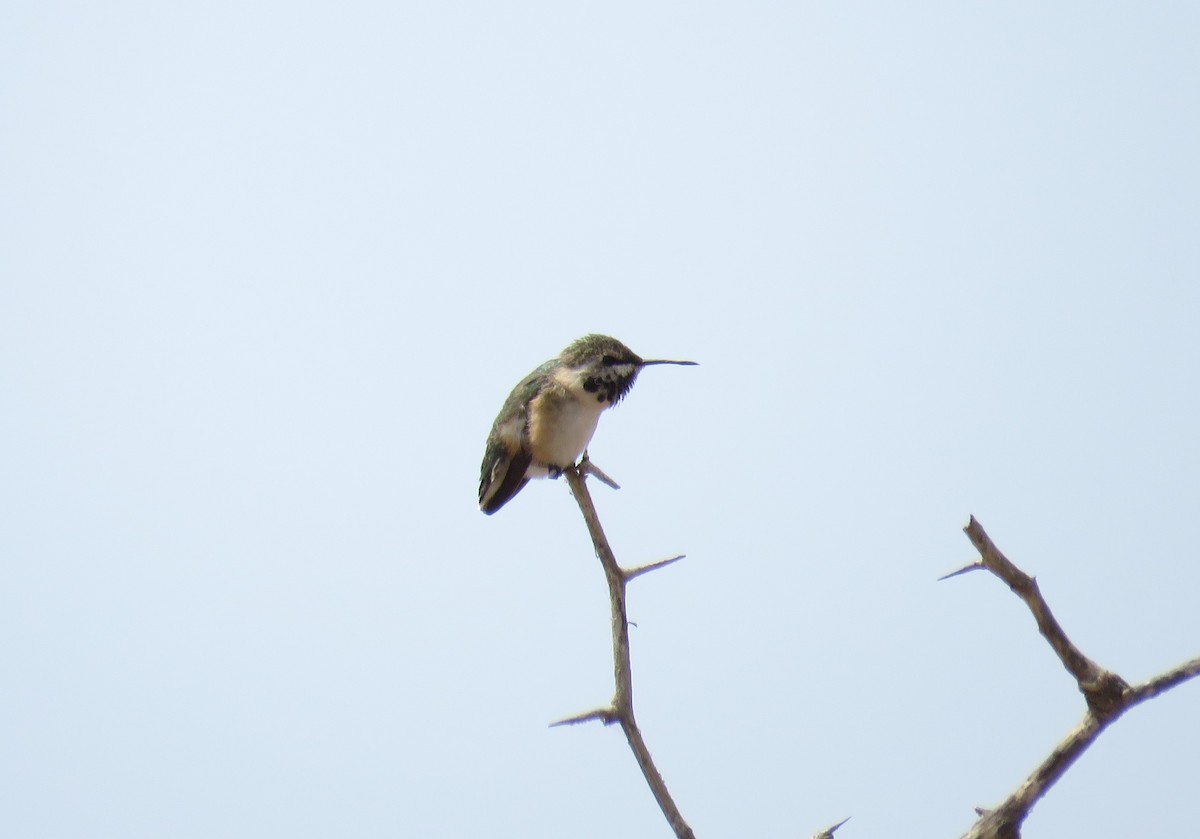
664, 361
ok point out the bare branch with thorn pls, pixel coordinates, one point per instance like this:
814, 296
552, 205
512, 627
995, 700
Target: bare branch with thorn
1108, 696
621, 710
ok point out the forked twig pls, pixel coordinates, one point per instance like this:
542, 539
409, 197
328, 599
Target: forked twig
1108, 696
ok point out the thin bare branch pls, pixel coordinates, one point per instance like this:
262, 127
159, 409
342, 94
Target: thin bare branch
621, 709
1108, 696
1102, 688
1165, 681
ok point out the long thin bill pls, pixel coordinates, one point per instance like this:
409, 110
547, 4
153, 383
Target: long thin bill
664, 361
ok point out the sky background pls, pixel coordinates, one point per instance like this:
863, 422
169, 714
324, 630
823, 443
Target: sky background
268, 271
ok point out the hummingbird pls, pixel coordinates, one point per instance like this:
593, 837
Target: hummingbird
549, 418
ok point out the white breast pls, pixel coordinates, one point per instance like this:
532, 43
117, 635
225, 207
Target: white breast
562, 423
576, 424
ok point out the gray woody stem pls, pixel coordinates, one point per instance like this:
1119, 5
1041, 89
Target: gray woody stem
1108, 696
621, 710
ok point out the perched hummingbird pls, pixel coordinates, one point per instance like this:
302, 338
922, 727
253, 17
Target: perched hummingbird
549, 418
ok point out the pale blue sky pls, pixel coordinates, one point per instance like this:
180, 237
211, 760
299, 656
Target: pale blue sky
269, 270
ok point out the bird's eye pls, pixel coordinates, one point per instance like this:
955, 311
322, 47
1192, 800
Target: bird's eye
608, 360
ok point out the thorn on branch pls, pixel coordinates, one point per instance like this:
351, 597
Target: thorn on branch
827, 833
631, 573
608, 716
966, 569
586, 467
